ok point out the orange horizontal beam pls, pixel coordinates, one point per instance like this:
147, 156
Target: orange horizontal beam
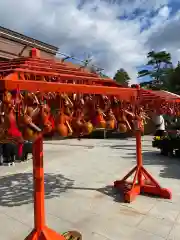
45, 71
149, 95
58, 66
123, 93
36, 67
41, 64
67, 76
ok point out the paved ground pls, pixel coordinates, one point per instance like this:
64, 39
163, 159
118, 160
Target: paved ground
78, 195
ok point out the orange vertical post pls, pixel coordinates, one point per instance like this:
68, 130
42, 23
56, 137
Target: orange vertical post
142, 182
139, 153
40, 231
35, 53
38, 172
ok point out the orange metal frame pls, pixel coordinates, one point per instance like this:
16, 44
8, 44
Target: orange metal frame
142, 182
123, 93
40, 231
139, 184
66, 77
50, 67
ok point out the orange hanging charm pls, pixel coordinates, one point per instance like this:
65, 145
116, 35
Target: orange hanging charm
88, 128
61, 126
111, 121
99, 119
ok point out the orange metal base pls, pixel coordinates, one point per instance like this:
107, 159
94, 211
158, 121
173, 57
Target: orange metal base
45, 234
143, 183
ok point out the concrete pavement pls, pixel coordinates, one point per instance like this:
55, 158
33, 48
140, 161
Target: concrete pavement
78, 175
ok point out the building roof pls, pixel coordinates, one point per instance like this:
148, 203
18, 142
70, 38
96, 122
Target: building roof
18, 37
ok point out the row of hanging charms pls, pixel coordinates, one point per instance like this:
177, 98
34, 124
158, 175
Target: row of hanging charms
163, 107
69, 114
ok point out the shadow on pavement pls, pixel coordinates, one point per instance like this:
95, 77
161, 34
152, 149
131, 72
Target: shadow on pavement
108, 190
17, 189
120, 146
70, 145
170, 165
127, 146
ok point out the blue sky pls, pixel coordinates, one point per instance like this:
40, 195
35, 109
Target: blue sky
116, 33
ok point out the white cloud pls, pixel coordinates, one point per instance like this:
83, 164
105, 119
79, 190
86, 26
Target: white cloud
164, 12
94, 28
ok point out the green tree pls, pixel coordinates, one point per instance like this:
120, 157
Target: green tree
122, 77
174, 80
160, 62
161, 67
